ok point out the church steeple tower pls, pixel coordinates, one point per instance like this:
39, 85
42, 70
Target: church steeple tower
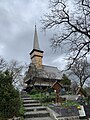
36, 54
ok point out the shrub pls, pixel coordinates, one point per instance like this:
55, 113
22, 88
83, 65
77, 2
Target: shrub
33, 91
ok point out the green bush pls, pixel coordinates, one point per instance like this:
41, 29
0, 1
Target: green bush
22, 110
33, 91
46, 99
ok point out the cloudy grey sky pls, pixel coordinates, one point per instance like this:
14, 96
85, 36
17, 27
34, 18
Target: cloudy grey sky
17, 22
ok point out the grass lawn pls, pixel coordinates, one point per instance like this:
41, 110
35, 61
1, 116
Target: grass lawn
45, 98
50, 99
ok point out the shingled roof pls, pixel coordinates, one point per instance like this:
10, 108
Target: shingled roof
52, 72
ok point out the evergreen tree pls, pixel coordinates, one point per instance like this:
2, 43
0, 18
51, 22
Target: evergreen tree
66, 82
9, 96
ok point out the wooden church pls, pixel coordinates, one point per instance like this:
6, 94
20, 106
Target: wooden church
39, 75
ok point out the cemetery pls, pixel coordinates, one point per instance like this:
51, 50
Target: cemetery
49, 92
58, 108
58, 86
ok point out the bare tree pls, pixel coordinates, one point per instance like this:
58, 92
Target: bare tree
73, 23
3, 64
74, 87
34, 73
17, 70
81, 69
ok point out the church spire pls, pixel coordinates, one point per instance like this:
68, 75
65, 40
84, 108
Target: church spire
36, 44
36, 54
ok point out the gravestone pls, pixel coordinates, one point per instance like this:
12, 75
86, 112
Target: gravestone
66, 113
87, 111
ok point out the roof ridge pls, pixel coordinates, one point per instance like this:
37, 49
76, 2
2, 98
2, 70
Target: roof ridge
50, 66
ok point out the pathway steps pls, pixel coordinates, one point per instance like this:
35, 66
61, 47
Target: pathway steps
34, 110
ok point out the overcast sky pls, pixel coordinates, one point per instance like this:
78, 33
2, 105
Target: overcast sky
17, 24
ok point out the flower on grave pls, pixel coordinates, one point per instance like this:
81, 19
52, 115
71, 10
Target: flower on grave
79, 107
